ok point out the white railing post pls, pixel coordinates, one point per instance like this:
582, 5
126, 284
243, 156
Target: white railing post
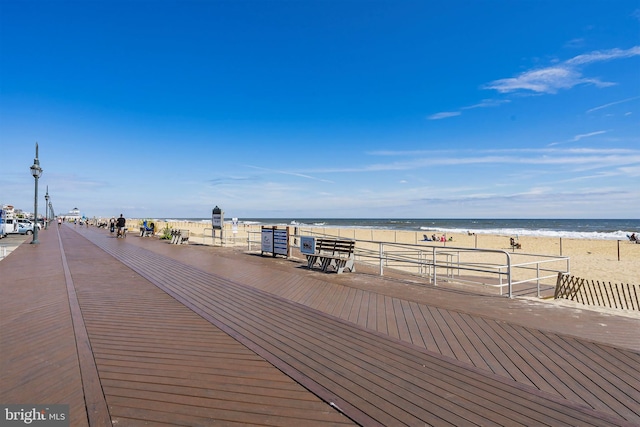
435, 269
509, 275
381, 258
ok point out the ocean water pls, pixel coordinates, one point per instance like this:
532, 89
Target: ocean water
599, 229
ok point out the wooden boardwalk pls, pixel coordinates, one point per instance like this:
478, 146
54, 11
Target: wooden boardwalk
135, 331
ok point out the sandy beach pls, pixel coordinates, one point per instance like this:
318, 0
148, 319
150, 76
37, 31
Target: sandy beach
598, 260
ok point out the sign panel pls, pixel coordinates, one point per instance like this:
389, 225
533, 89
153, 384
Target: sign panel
217, 218
267, 240
308, 245
280, 242
234, 225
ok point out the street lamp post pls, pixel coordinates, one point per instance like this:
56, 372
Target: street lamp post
46, 209
36, 171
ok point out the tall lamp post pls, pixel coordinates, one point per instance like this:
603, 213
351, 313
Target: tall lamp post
46, 209
36, 171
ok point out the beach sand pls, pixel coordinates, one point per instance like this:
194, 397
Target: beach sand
594, 260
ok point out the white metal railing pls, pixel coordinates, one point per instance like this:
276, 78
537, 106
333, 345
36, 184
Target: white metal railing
541, 273
210, 235
491, 267
257, 241
443, 263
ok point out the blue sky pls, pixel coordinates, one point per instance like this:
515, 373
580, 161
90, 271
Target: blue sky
462, 109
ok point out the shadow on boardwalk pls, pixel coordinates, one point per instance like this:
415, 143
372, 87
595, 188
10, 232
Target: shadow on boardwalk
137, 331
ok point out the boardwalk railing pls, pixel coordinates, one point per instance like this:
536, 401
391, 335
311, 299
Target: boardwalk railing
594, 293
491, 268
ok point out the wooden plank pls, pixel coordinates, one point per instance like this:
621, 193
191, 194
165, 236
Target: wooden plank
341, 297
576, 375
38, 357
452, 334
468, 339
438, 337
155, 352
355, 307
364, 308
95, 402
499, 364
347, 304
181, 413
548, 372
372, 314
390, 323
288, 332
401, 321
340, 374
614, 380
326, 298
203, 285
415, 331
618, 366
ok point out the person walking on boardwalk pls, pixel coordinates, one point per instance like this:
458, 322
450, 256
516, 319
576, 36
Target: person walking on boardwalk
112, 225
120, 223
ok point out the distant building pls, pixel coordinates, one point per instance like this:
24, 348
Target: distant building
73, 215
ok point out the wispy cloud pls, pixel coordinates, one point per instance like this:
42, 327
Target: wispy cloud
546, 196
550, 80
607, 55
633, 171
583, 158
587, 135
281, 172
562, 76
546, 151
229, 180
485, 103
574, 43
611, 104
579, 137
547, 80
444, 115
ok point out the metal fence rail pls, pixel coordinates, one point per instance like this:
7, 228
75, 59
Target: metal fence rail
489, 267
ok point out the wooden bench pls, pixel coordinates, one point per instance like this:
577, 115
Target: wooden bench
333, 253
179, 237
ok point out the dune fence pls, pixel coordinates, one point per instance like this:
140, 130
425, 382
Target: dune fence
594, 293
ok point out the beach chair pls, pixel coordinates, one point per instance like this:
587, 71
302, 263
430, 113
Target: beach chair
147, 230
514, 244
